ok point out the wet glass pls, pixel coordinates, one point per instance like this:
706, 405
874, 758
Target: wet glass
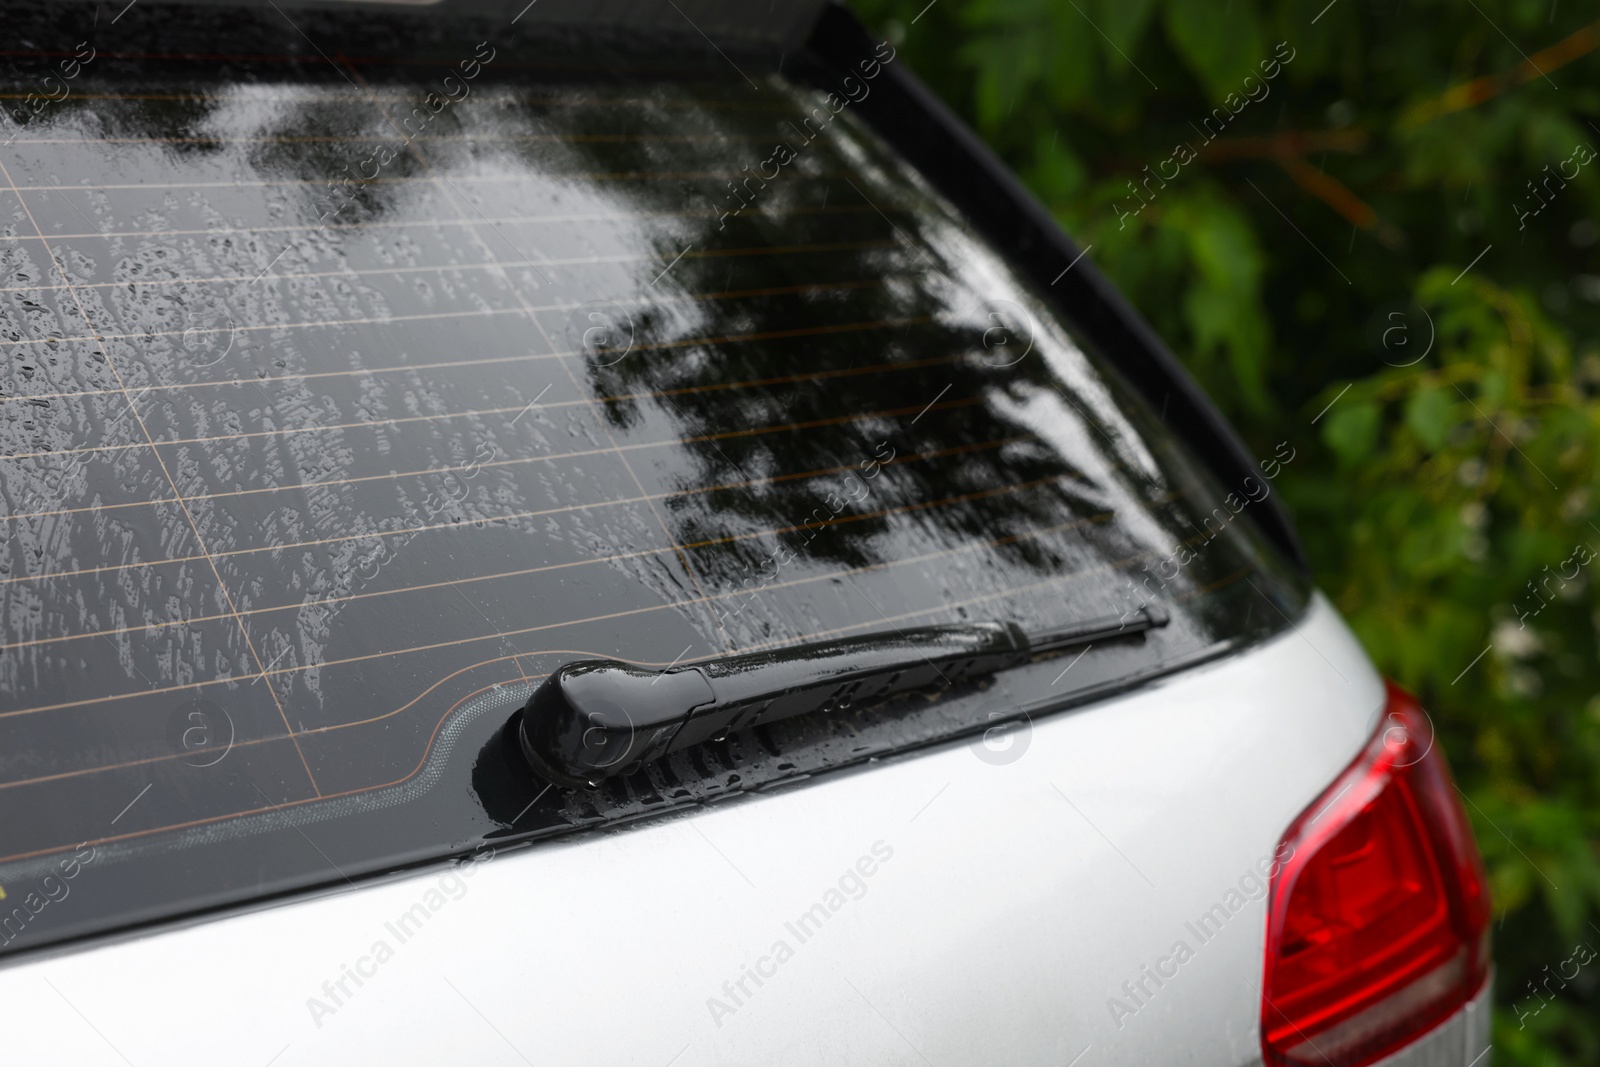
350, 391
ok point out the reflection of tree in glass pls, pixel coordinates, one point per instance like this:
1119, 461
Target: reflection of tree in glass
847, 335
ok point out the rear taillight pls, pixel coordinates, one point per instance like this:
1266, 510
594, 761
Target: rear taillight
1378, 921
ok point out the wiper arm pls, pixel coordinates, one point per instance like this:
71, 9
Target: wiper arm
597, 718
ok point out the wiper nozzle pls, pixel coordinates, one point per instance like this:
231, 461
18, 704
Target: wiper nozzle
598, 718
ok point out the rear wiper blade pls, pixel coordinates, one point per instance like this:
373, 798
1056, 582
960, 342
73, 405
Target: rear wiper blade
594, 719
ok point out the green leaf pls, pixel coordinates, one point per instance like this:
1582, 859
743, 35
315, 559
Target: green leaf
1222, 47
1221, 304
1428, 414
1352, 429
1124, 23
1057, 174
1492, 389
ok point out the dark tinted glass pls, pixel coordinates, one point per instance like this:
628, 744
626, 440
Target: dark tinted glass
350, 388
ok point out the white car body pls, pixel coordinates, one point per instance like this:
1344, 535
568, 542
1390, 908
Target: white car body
1008, 903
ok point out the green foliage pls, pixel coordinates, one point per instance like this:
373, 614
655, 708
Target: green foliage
1220, 56
1448, 498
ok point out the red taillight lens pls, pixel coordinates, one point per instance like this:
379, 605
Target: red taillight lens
1378, 922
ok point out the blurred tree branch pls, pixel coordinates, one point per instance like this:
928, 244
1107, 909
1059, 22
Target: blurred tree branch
1489, 86
1289, 150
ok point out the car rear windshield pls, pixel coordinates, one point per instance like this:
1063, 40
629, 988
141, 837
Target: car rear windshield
362, 370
